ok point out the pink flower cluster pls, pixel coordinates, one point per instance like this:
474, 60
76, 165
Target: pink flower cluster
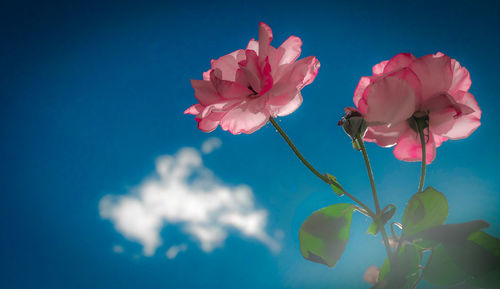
403, 89
244, 88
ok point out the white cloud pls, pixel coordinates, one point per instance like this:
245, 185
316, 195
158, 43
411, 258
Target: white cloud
210, 145
185, 193
173, 251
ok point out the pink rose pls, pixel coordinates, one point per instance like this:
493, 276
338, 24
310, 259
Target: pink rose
244, 88
432, 87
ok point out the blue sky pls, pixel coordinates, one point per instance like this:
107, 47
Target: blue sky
93, 93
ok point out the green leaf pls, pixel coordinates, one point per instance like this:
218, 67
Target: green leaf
465, 254
372, 229
424, 210
450, 233
442, 270
488, 280
405, 272
337, 188
486, 241
384, 269
324, 235
488, 259
385, 216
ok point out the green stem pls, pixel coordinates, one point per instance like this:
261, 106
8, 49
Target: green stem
421, 127
370, 173
296, 151
400, 242
394, 235
375, 197
386, 241
314, 171
423, 270
424, 156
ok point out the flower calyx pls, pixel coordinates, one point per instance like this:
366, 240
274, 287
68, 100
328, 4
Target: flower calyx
353, 124
419, 121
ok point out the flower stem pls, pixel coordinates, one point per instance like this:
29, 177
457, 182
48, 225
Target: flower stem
424, 156
423, 270
296, 151
314, 171
370, 173
361, 143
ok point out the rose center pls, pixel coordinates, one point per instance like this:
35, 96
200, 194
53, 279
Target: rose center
254, 94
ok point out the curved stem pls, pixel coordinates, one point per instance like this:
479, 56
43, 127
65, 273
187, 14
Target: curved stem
375, 197
400, 242
420, 126
314, 171
423, 270
296, 151
424, 156
394, 235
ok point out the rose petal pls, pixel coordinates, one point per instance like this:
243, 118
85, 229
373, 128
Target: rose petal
434, 73
390, 101
290, 50
246, 118
258, 76
299, 74
241, 78
206, 75
205, 92
265, 38
378, 69
239, 55
210, 123
250, 66
266, 77
219, 107
272, 60
457, 121
228, 89
228, 64
194, 109
360, 93
438, 140
461, 79
462, 127
288, 107
440, 102
468, 99
308, 67
399, 61
253, 45
411, 78
385, 136
408, 147
442, 121
467, 124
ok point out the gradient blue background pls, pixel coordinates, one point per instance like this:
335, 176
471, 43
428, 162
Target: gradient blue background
92, 92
